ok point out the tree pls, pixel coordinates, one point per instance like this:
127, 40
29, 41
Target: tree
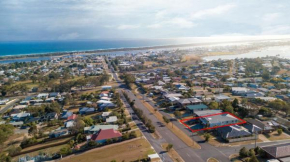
6, 130
78, 126
166, 120
206, 137
253, 159
235, 103
275, 70
65, 150
177, 114
32, 130
4, 157
243, 152
229, 109
213, 105
169, 147
266, 75
244, 101
88, 121
279, 131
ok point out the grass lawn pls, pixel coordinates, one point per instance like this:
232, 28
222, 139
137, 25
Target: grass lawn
172, 153
127, 150
179, 133
274, 136
212, 160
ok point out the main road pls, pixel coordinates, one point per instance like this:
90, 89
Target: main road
186, 152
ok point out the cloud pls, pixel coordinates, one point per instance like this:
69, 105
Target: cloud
181, 22
124, 27
89, 19
271, 16
212, 11
69, 36
276, 30
154, 26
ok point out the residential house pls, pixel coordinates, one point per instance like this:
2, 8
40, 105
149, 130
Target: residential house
17, 124
105, 114
219, 120
86, 110
266, 128
59, 132
188, 101
66, 114
111, 119
193, 108
105, 134
20, 116
106, 87
221, 97
279, 151
96, 128
235, 133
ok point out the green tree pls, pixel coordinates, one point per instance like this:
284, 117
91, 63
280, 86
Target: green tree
169, 147
279, 131
243, 152
88, 121
6, 130
235, 103
165, 119
65, 150
5, 158
32, 130
206, 137
177, 114
213, 105
253, 159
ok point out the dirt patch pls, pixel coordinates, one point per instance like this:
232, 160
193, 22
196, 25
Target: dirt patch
212, 160
128, 150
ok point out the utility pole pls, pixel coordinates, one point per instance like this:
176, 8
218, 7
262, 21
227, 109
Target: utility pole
255, 139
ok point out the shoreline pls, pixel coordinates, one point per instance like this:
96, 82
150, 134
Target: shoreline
104, 51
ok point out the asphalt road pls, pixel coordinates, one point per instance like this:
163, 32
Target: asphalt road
186, 152
8, 106
156, 144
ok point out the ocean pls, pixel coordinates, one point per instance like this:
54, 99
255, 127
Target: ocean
38, 47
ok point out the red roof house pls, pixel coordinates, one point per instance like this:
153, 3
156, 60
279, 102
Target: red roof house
72, 117
105, 134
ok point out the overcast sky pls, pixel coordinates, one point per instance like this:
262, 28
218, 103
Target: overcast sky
110, 19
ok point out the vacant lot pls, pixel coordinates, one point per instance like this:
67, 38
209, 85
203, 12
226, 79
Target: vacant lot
127, 150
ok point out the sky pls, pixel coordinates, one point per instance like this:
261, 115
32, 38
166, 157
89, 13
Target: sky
22, 20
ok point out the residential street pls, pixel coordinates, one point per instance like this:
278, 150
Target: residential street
188, 154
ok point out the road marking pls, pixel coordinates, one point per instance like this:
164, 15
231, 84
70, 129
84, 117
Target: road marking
187, 154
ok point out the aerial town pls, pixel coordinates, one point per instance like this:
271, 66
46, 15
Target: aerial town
151, 105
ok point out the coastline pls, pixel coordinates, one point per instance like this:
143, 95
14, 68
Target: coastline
108, 51
104, 51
